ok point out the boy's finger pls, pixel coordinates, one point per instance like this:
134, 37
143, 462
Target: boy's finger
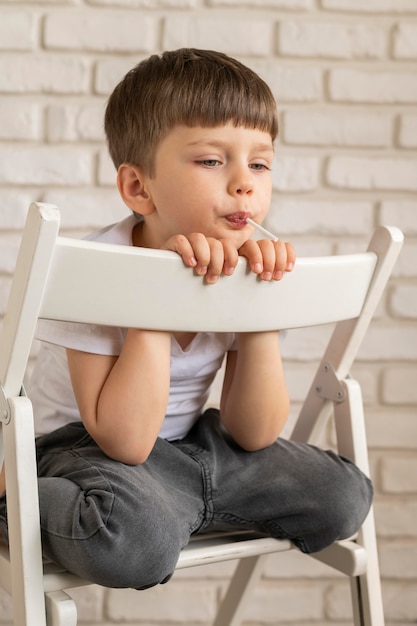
231, 256
252, 252
201, 251
270, 251
181, 245
215, 266
291, 256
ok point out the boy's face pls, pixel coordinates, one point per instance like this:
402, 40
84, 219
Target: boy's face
209, 180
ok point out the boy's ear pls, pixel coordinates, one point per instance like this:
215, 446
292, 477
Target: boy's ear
131, 185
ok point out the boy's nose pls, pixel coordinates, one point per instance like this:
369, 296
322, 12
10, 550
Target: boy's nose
241, 186
244, 189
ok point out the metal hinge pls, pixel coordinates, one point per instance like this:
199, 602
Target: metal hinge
328, 385
5, 414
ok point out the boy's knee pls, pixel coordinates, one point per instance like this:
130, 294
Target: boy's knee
348, 500
105, 561
138, 567
353, 502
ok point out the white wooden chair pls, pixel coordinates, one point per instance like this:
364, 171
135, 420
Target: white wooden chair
62, 278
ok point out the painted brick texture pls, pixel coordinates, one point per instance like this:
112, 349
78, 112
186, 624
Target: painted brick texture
344, 73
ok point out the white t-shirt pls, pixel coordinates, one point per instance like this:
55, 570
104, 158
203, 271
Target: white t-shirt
192, 370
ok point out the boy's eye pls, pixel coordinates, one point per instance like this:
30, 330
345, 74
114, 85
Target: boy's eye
259, 166
209, 162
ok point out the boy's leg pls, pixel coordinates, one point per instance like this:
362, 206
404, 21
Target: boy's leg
114, 524
288, 490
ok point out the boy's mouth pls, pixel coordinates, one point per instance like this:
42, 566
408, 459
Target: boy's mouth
238, 219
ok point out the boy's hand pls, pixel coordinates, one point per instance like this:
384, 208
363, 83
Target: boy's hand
208, 256
269, 259
211, 257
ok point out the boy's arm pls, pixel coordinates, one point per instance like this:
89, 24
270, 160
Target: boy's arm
123, 400
255, 401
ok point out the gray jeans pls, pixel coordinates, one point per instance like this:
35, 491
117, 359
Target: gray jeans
124, 526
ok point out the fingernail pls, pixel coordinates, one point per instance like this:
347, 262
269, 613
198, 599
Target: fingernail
278, 275
201, 270
257, 268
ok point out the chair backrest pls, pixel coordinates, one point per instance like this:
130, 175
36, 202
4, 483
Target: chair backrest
83, 281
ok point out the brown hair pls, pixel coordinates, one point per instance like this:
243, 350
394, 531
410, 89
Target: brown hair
187, 87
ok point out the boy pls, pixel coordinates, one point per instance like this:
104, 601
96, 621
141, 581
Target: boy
129, 464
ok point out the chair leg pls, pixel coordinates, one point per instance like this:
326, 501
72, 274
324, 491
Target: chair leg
60, 609
351, 439
22, 505
366, 589
246, 576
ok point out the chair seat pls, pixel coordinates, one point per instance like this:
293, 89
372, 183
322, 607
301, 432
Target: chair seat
346, 556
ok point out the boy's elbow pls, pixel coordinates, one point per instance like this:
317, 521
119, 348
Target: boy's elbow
129, 455
256, 445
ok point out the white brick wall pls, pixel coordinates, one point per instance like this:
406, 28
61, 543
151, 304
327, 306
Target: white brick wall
345, 75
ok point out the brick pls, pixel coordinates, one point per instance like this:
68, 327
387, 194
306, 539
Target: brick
371, 6
20, 120
13, 208
290, 84
107, 32
404, 302
294, 564
57, 2
331, 40
338, 601
293, 5
106, 170
175, 602
399, 385
407, 261
389, 428
396, 518
379, 87
109, 72
405, 41
385, 343
305, 344
295, 173
400, 602
43, 74
400, 213
144, 4
284, 600
407, 136
17, 30
304, 217
325, 128
237, 36
298, 379
372, 173
74, 122
9, 247
88, 209
398, 560
399, 474
46, 166
368, 381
